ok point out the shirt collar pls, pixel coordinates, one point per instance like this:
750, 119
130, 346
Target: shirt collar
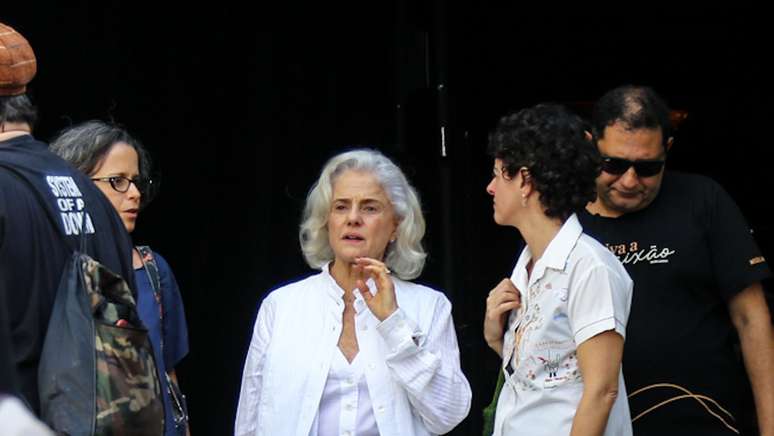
559, 248
336, 293
556, 253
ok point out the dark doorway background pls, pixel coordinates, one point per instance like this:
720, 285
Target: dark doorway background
242, 104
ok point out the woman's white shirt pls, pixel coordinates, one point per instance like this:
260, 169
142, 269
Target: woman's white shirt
410, 361
345, 407
577, 290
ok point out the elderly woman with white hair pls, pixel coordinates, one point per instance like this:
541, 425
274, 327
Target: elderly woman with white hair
356, 349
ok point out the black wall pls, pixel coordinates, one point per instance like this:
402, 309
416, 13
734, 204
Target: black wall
242, 104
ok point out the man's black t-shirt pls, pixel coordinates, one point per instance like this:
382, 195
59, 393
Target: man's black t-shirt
7, 373
33, 252
689, 253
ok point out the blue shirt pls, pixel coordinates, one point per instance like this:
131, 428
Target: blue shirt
175, 327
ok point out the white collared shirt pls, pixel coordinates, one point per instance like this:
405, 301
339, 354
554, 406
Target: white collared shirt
577, 290
410, 360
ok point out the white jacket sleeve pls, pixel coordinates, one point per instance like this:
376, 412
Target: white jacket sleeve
17, 420
427, 366
252, 376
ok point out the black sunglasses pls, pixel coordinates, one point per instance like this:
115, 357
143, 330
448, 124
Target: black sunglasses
644, 168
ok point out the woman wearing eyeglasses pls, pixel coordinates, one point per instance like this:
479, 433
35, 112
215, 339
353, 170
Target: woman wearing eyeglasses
119, 165
559, 321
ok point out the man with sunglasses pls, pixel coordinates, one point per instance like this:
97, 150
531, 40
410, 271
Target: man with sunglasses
697, 272
45, 207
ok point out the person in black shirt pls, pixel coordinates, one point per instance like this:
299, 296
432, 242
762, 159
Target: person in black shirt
7, 373
697, 273
33, 251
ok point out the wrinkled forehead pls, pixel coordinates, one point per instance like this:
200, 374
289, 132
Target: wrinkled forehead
618, 140
354, 184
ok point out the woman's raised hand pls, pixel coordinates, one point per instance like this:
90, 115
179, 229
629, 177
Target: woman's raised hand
383, 303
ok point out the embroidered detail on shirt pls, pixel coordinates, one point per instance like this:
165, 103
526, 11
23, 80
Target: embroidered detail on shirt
561, 294
756, 260
533, 320
558, 369
534, 291
551, 365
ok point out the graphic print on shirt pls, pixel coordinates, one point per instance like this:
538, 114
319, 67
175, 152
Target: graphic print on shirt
551, 365
561, 294
69, 201
540, 359
532, 322
633, 253
559, 363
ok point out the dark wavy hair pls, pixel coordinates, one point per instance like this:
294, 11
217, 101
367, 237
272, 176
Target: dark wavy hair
551, 142
18, 109
636, 107
87, 144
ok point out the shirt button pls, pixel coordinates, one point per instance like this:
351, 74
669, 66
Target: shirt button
380, 409
363, 327
349, 407
347, 433
350, 381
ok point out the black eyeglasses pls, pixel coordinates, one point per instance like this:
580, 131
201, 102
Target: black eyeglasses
644, 168
122, 184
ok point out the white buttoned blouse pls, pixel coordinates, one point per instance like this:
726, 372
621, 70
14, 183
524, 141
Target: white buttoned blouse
577, 289
410, 361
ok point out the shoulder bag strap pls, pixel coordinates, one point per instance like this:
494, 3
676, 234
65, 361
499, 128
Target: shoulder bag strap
152, 269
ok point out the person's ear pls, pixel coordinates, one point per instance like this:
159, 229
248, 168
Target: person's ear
589, 136
525, 176
526, 181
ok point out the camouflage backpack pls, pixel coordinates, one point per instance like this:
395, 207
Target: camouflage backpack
97, 374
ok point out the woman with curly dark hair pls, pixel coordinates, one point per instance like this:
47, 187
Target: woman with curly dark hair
559, 321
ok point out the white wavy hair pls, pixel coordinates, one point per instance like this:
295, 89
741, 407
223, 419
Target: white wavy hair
406, 256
